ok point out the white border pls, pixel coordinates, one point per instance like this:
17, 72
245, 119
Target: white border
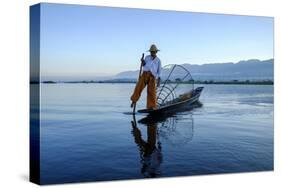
14, 100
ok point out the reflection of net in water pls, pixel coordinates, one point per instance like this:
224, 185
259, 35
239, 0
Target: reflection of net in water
177, 81
177, 131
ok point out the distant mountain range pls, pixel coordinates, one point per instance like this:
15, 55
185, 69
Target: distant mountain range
252, 69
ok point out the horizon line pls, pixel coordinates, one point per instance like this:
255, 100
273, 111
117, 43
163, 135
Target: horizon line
112, 75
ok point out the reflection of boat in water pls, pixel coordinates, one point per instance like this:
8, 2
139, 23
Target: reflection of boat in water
179, 79
175, 130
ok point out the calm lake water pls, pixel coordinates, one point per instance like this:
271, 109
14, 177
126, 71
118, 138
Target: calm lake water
85, 135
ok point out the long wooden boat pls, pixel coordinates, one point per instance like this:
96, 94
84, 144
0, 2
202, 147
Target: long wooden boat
184, 102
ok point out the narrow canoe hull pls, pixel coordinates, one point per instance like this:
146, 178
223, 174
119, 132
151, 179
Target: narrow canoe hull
178, 106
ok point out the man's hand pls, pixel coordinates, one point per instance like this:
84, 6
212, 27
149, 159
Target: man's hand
158, 82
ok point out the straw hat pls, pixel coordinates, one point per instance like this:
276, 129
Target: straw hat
153, 48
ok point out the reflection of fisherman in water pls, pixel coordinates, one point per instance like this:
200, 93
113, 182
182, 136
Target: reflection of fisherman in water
151, 156
175, 130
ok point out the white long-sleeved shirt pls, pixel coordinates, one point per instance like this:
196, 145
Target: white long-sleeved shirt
152, 65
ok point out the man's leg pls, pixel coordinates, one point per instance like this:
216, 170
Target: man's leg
138, 89
151, 93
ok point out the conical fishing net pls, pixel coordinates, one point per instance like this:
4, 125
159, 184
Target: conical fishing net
177, 84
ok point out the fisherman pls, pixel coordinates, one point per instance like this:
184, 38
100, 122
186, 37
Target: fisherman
151, 77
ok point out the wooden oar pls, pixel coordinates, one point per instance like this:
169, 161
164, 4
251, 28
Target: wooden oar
134, 109
141, 65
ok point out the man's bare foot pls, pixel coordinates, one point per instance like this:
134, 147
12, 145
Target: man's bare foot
151, 108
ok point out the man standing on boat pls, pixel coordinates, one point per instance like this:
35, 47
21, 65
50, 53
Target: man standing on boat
151, 77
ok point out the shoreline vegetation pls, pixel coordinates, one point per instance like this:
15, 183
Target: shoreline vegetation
228, 82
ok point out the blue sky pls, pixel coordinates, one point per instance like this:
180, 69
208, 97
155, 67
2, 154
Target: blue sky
88, 41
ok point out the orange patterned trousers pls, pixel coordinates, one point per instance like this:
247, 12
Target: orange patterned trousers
146, 79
